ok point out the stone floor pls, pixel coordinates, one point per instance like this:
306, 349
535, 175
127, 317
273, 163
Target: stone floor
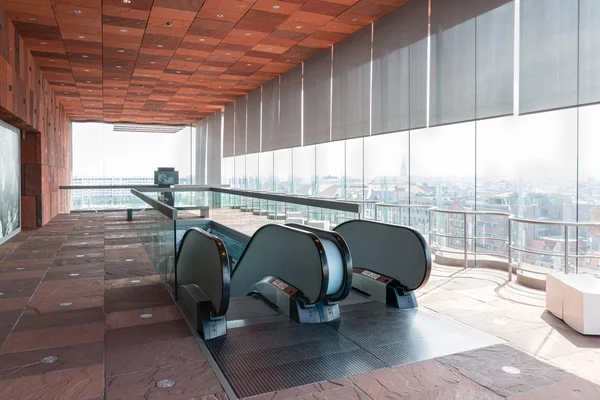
83, 315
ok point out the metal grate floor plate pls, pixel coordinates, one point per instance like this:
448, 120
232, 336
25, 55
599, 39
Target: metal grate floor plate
263, 354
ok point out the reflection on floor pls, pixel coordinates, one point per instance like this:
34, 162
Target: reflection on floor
83, 315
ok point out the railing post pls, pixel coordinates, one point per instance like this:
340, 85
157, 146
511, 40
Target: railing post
509, 249
566, 249
429, 215
465, 240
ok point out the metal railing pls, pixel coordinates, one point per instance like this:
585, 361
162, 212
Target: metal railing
565, 254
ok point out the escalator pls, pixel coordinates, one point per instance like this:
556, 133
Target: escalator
390, 261
298, 273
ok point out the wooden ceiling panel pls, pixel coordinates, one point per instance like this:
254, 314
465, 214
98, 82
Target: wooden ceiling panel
176, 61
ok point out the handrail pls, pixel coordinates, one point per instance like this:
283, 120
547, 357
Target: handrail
337, 205
554, 223
85, 187
163, 208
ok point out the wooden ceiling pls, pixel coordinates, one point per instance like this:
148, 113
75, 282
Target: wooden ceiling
176, 61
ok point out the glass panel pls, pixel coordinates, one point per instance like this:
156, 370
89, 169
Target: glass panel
386, 168
589, 189
353, 178
526, 166
330, 169
304, 170
265, 168
252, 172
282, 161
240, 172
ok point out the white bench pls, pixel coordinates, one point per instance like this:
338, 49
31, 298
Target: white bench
575, 299
321, 224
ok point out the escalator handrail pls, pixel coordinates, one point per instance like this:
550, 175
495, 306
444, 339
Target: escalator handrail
417, 234
345, 252
318, 245
224, 259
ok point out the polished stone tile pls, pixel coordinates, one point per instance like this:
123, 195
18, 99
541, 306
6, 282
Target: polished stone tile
130, 359
132, 281
345, 393
9, 265
128, 269
190, 381
19, 288
13, 303
74, 384
136, 297
152, 315
145, 334
585, 364
31, 321
25, 274
406, 380
27, 363
485, 367
572, 389
74, 272
299, 391
462, 391
53, 337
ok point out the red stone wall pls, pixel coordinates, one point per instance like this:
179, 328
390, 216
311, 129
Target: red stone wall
28, 103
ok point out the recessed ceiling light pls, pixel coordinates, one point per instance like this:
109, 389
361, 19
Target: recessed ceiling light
188, 58
77, 11
62, 84
145, 74
118, 66
32, 19
89, 81
298, 26
123, 30
160, 45
270, 48
87, 70
84, 56
169, 23
276, 6
117, 79
202, 39
116, 88
43, 42
200, 80
52, 60
178, 72
316, 43
152, 62
266, 73
248, 34
126, 1
212, 69
249, 65
170, 83
287, 60
220, 15
121, 51
89, 90
81, 37
227, 54
354, 19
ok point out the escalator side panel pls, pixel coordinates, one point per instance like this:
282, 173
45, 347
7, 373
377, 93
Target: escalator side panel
202, 261
295, 256
398, 252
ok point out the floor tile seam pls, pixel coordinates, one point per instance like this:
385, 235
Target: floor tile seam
159, 368
47, 372
30, 298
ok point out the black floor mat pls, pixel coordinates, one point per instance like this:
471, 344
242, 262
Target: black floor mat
273, 355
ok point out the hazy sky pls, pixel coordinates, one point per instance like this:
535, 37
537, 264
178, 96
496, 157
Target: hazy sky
98, 151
